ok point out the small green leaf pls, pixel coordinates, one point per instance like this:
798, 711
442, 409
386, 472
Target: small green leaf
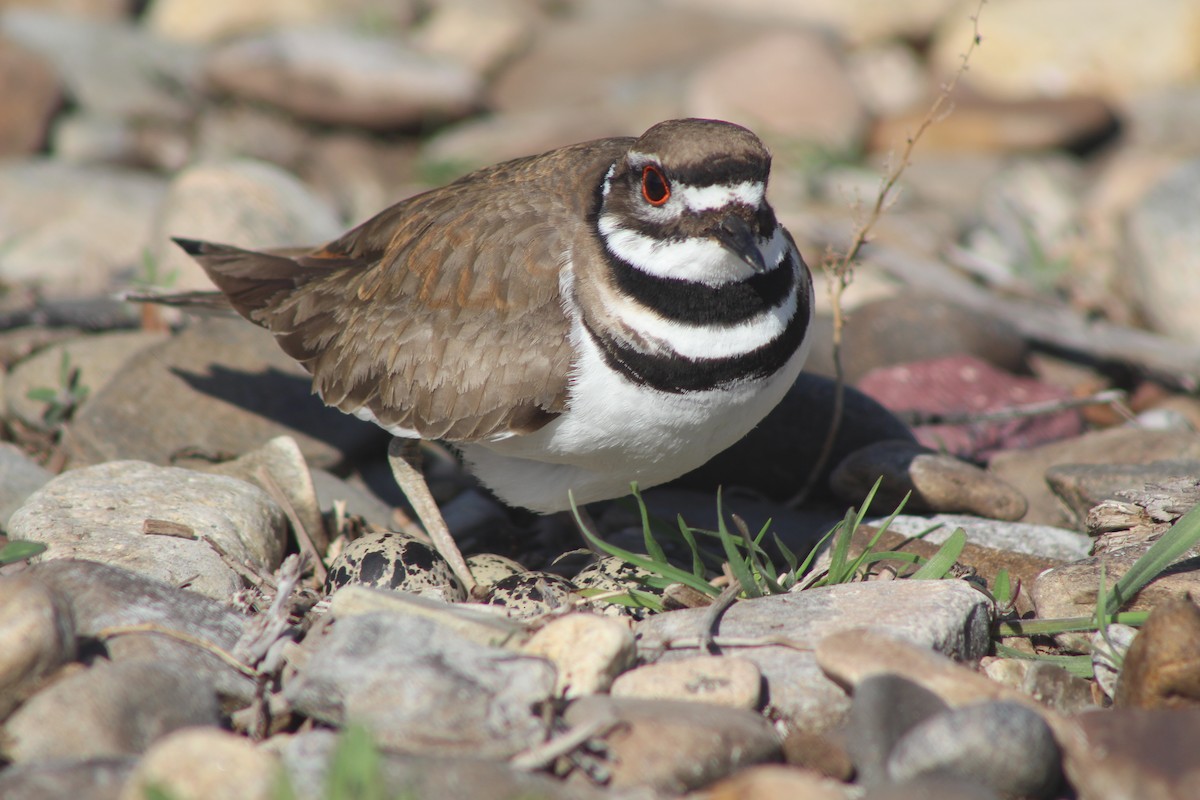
1002, 589
19, 550
355, 768
944, 559
42, 394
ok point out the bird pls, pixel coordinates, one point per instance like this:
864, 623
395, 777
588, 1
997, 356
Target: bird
609, 312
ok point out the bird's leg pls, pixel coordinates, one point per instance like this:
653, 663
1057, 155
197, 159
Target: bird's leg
404, 456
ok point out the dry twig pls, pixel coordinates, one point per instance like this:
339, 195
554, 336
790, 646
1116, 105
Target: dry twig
841, 269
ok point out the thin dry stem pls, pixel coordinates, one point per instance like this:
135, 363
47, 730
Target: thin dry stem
841, 269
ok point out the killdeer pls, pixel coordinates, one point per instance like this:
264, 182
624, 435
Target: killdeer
613, 311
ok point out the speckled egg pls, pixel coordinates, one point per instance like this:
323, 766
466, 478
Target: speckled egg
532, 594
398, 561
488, 568
612, 574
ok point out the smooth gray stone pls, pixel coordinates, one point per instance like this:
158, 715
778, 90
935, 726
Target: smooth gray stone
421, 688
885, 707
1002, 744
947, 615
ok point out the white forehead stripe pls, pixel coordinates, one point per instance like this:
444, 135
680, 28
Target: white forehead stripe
719, 195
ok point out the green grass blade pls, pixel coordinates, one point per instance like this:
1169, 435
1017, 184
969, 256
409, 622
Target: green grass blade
1053, 625
653, 549
1076, 665
792, 562
944, 559
690, 539
1002, 589
757, 558
839, 554
662, 568
1182, 536
738, 564
19, 550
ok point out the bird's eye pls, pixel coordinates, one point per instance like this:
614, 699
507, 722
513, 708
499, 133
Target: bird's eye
655, 188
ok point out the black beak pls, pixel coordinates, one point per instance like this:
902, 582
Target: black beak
736, 236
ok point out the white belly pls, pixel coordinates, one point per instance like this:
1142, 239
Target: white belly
615, 432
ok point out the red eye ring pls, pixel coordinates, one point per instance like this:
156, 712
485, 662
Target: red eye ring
655, 188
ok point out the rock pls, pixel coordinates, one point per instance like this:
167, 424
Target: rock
85, 137
937, 482
672, 746
339, 77
91, 778
181, 765
1163, 248
1144, 753
1026, 469
532, 594
1162, 666
100, 513
233, 133
307, 759
241, 202
359, 500
1004, 126
595, 65
20, 476
918, 326
933, 787
985, 562
1108, 655
588, 651
286, 473
966, 385
31, 93
70, 229
944, 615
1071, 590
1043, 541
855, 21
358, 173
113, 68
217, 20
221, 386
470, 621
885, 708
98, 359
1002, 745
37, 636
852, 656
109, 709
420, 688
775, 782
482, 141
482, 34
755, 84
721, 680
103, 598
825, 752
776, 457
1084, 486
397, 561
1059, 689
1026, 56
889, 77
